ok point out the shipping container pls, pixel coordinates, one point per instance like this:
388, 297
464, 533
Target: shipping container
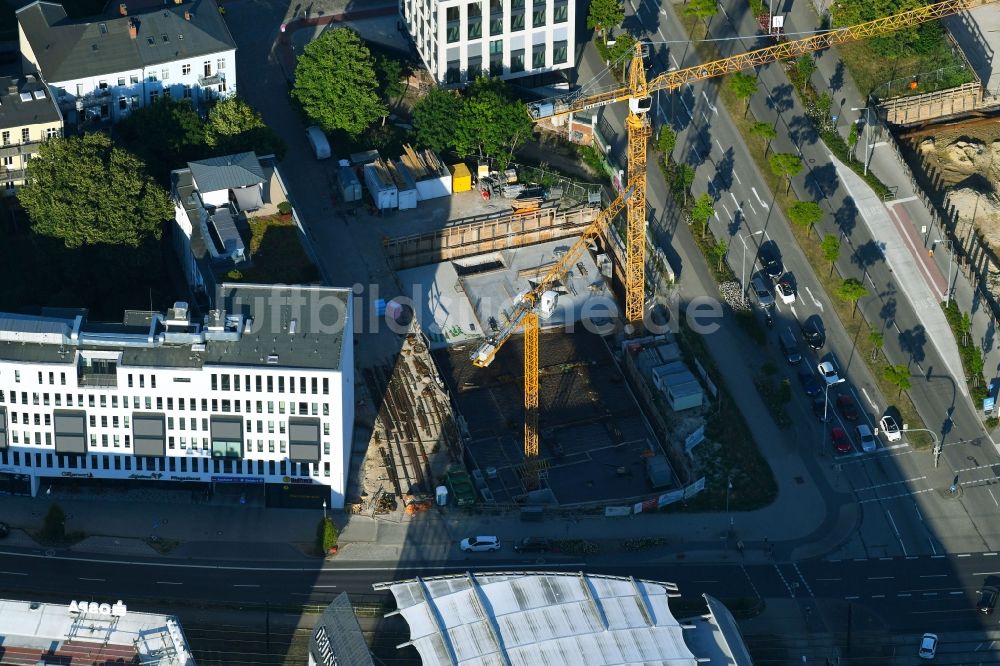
380, 185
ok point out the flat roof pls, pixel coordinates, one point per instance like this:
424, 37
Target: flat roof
540, 619
33, 632
460, 300
288, 326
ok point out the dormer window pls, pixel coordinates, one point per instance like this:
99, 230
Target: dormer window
166, 38
103, 85
104, 28
151, 40
26, 97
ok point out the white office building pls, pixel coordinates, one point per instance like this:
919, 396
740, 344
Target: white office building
259, 392
100, 68
458, 40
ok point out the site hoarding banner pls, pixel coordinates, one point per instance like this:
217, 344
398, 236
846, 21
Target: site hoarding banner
669, 497
617, 511
694, 439
694, 488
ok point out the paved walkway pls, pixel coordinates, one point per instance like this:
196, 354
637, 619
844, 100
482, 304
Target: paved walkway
905, 256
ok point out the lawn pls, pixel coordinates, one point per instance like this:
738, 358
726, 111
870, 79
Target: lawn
889, 77
39, 271
277, 254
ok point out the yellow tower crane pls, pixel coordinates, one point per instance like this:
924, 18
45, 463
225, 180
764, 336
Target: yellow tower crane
637, 92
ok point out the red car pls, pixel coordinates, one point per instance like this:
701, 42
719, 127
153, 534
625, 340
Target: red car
848, 409
841, 442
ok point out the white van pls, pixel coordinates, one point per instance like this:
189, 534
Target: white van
317, 139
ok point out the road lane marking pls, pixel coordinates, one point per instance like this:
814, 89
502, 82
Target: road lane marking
959, 592
935, 576
752, 208
890, 483
917, 509
814, 299
803, 579
705, 116
721, 149
737, 177
727, 211
878, 596
964, 555
823, 579
881, 577
245, 585
904, 594
710, 105
989, 554
13, 573
894, 529
990, 491
167, 582
885, 559
869, 399
935, 556
324, 586
930, 594
96, 580
754, 190
880, 499
852, 598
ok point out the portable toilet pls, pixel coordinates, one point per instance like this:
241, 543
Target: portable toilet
442, 495
348, 183
461, 179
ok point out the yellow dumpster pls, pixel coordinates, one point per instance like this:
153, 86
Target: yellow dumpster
461, 179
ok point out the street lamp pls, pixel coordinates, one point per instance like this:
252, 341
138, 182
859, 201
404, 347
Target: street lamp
937, 441
826, 409
729, 486
951, 258
868, 125
324, 510
743, 274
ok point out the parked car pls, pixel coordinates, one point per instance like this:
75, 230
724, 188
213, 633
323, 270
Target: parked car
770, 259
928, 646
4, 530
812, 331
318, 141
820, 409
480, 544
810, 382
533, 545
987, 599
829, 372
762, 291
846, 407
786, 289
890, 428
790, 346
868, 443
841, 442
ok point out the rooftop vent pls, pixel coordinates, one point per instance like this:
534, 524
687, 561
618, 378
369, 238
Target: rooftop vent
12, 89
187, 14
26, 97
133, 28
39, 94
123, 9
272, 359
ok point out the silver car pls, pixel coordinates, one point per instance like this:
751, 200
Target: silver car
480, 544
762, 291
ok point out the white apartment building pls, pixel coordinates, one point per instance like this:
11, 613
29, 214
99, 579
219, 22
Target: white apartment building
103, 67
459, 40
260, 392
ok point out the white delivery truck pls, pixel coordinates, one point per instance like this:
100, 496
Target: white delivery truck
318, 142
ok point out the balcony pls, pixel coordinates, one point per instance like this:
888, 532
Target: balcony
97, 380
213, 80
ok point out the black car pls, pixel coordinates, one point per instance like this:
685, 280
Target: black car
4, 530
533, 545
820, 408
987, 600
770, 259
813, 333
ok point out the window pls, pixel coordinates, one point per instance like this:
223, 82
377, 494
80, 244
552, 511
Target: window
496, 17
453, 29
186, 68
8, 160
51, 133
516, 15
6, 137
517, 60
496, 57
164, 74
133, 79
207, 67
453, 73
538, 13
121, 80
151, 78
221, 64
474, 21
25, 134
103, 85
153, 96
559, 52
560, 11
538, 56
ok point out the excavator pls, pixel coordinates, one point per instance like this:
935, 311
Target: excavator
540, 301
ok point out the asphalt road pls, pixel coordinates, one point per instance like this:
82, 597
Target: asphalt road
899, 491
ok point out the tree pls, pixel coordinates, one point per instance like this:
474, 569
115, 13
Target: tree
166, 135
666, 140
390, 77
805, 213
604, 15
823, 104
852, 140
621, 52
54, 524
785, 165
719, 251
87, 191
743, 86
234, 126
877, 340
434, 118
491, 123
326, 535
964, 326
805, 66
831, 250
702, 211
766, 132
701, 9
683, 179
851, 291
336, 84
898, 376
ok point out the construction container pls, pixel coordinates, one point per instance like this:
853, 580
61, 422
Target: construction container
406, 188
348, 184
431, 175
381, 186
459, 484
461, 179
365, 157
